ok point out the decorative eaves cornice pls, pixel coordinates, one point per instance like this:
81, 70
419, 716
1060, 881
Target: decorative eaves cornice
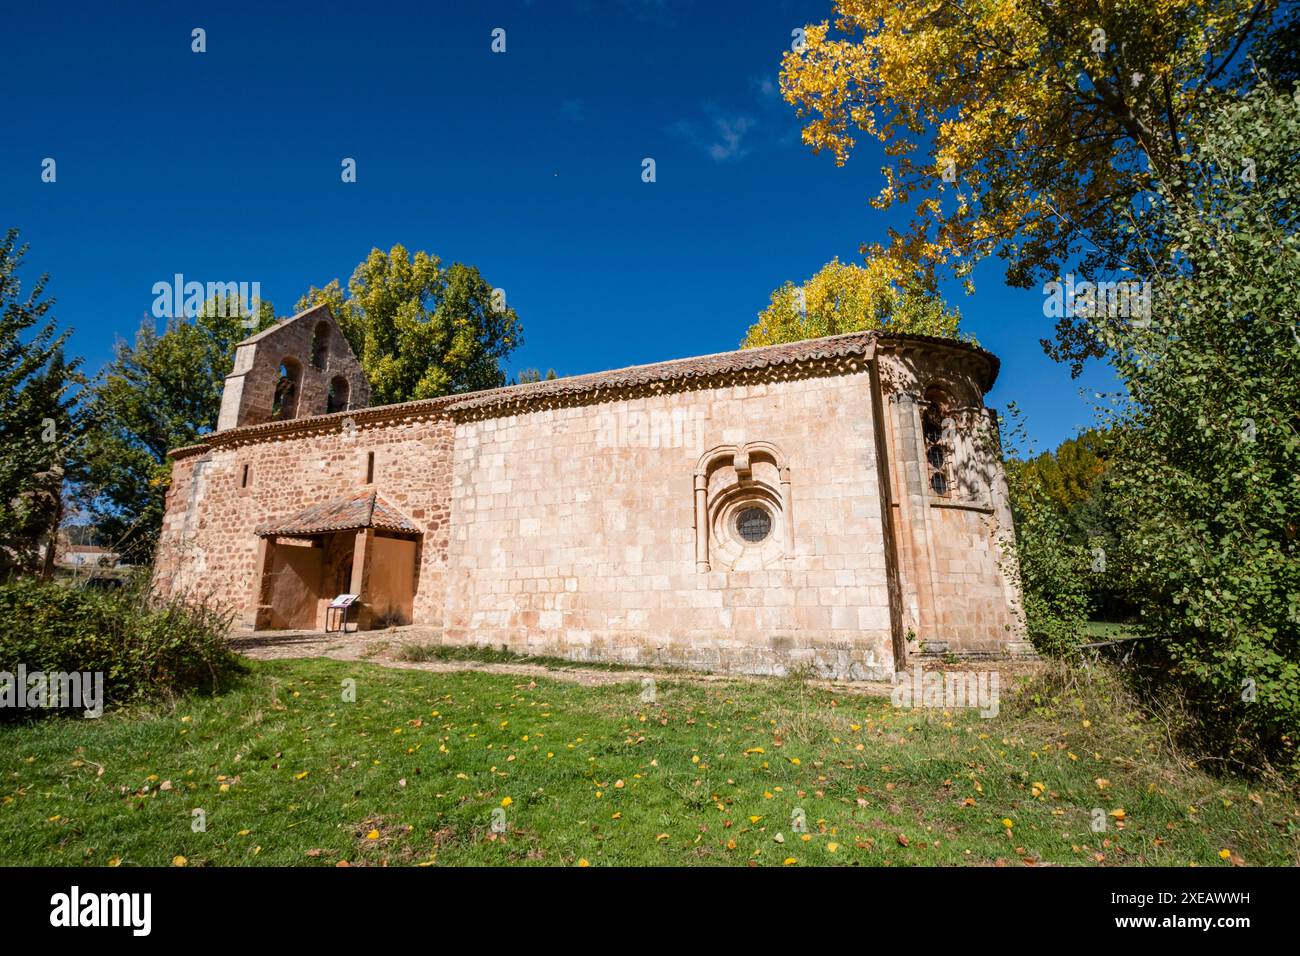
832, 355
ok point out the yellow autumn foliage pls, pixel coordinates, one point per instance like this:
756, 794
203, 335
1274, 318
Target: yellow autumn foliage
1013, 126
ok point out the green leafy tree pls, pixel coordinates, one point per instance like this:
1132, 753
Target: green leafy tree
527, 376
37, 421
421, 330
1207, 463
161, 392
1074, 481
845, 297
1053, 569
1069, 473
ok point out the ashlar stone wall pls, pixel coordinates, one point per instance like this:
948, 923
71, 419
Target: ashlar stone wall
209, 544
574, 532
748, 512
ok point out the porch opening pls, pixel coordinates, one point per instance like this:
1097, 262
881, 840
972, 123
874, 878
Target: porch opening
356, 545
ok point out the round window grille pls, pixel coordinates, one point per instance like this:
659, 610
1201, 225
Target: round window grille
754, 524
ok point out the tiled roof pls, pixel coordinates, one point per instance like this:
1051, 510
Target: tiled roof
362, 510
675, 371
595, 386
680, 373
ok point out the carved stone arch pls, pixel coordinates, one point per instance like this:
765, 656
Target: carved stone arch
727, 546
951, 429
714, 514
721, 455
766, 451
337, 395
942, 385
714, 458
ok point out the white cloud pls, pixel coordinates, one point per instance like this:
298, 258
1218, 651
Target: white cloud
721, 136
730, 132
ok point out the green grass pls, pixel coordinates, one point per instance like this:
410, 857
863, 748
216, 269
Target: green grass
481, 654
411, 772
1108, 631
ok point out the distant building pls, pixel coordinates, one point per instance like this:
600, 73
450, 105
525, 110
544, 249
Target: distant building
85, 556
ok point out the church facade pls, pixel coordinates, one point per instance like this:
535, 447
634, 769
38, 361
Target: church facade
837, 503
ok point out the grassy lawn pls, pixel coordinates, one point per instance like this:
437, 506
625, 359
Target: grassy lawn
289, 773
1108, 631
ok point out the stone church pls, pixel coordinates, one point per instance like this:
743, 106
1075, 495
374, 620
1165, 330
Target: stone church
836, 503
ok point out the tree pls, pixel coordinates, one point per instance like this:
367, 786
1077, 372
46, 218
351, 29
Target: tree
527, 376
421, 330
1015, 126
36, 413
1053, 570
1074, 483
1068, 474
843, 297
1207, 463
1278, 53
161, 392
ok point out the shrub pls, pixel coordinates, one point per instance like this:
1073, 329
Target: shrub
1205, 487
147, 648
1053, 572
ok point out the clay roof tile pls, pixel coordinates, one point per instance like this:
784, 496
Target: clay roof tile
365, 509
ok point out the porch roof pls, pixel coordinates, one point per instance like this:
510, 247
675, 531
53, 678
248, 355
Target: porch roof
365, 509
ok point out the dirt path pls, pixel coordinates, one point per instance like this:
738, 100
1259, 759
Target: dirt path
382, 648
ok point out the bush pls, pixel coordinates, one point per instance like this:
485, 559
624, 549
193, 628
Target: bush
1053, 572
147, 648
1205, 472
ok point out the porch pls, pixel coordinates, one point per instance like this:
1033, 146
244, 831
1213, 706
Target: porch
358, 544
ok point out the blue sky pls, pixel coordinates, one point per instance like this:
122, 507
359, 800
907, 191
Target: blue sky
225, 166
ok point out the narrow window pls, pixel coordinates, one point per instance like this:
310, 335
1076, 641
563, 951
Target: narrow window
337, 398
370, 467
243, 481
285, 404
320, 345
936, 428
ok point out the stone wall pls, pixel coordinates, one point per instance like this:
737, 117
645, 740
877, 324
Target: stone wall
972, 612
313, 345
209, 541
604, 517
959, 587
574, 533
